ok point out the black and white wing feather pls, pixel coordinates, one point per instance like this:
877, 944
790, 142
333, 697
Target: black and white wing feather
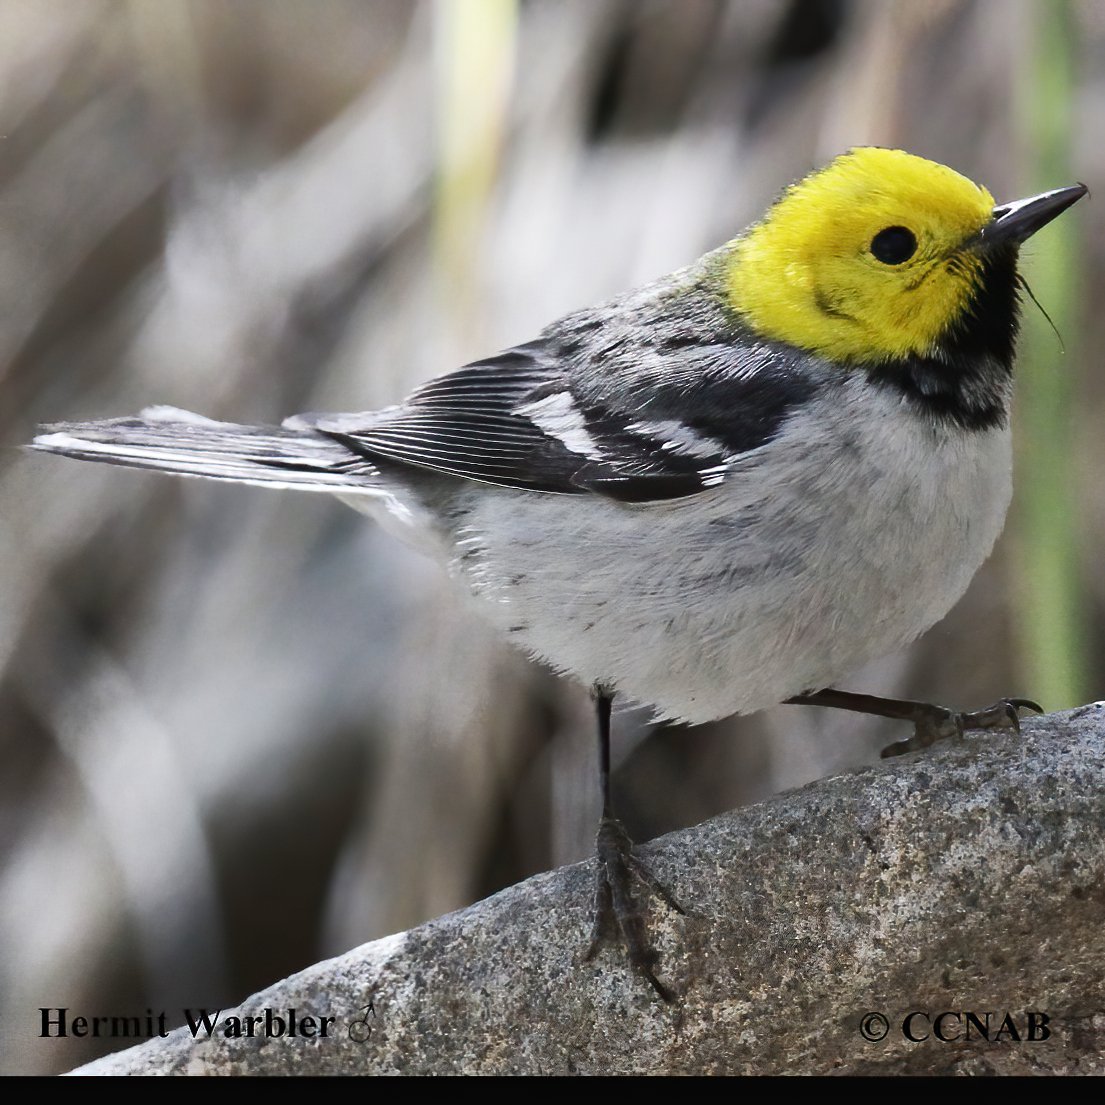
519, 420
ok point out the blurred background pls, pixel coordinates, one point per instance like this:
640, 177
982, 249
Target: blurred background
241, 730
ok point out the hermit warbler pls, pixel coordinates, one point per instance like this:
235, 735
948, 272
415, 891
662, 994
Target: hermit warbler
724, 490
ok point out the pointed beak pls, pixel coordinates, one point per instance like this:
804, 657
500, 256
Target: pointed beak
1013, 222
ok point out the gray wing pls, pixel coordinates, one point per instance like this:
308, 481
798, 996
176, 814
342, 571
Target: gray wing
516, 420
519, 420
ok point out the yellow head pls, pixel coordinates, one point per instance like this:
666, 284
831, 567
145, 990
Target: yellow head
865, 260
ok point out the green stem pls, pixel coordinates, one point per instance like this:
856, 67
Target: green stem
1050, 610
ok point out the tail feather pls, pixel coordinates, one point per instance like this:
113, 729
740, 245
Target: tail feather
170, 440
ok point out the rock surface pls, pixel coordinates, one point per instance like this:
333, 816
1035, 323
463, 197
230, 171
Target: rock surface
969, 878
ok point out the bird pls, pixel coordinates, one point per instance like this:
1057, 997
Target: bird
721, 491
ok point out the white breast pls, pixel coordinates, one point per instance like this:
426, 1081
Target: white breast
845, 538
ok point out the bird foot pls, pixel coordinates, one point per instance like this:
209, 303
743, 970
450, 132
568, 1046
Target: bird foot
937, 723
615, 907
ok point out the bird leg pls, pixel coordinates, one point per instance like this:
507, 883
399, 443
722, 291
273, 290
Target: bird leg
616, 909
930, 723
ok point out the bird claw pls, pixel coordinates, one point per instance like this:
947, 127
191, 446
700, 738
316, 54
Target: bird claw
616, 909
936, 723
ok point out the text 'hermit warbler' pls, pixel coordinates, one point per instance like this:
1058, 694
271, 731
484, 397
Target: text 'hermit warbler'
721, 491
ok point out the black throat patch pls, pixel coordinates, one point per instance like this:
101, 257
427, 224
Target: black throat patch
966, 382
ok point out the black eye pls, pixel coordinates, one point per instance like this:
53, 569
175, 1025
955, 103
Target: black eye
894, 245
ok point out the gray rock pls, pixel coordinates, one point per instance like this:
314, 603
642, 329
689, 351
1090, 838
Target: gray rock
967, 878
